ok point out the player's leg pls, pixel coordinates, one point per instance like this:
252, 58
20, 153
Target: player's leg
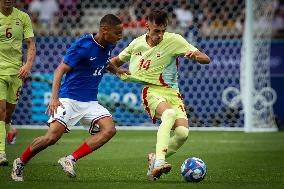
180, 135
167, 115
94, 116
3, 97
107, 131
13, 94
158, 107
12, 131
52, 135
3, 159
180, 132
169, 102
180, 128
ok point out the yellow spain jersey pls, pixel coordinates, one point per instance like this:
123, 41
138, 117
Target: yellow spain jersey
13, 30
155, 65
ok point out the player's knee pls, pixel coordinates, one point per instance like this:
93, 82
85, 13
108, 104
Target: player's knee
8, 117
181, 133
109, 132
169, 113
3, 113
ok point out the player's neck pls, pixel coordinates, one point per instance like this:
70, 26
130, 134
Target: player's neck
6, 11
150, 42
99, 40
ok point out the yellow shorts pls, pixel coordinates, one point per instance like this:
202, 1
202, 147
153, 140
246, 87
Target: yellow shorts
153, 95
10, 88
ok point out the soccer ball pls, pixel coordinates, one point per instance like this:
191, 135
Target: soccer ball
193, 170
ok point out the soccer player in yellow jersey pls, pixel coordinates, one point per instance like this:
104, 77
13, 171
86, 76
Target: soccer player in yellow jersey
15, 26
153, 62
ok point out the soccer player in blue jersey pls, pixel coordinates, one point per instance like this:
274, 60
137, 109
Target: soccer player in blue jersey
76, 99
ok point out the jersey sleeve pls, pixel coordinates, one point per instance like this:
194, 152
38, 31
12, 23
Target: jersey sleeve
28, 29
181, 46
74, 55
125, 55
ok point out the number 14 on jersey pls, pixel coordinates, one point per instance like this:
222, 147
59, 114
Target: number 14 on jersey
144, 64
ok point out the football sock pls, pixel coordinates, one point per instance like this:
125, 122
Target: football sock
82, 151
163, 135
11, 133
2, 136
27, 155
176, 141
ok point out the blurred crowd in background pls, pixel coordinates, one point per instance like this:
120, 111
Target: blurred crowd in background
208, 18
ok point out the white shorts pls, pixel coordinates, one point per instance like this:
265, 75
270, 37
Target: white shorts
73, 111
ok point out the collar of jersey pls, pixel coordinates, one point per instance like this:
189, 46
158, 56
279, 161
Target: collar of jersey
9, 14
96, 41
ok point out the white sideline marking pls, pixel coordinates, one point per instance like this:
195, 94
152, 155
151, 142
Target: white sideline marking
152, 128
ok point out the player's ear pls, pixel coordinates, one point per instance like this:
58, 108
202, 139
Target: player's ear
104, 29
147, 25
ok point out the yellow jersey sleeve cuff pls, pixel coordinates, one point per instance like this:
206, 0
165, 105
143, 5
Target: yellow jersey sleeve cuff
123, 76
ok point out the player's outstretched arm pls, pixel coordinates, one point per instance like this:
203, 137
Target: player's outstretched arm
114, 66
199, 56
26, 68
57, 77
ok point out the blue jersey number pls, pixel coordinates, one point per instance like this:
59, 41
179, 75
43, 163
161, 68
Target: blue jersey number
98, 71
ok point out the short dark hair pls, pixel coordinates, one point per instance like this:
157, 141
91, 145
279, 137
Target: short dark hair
158, 17
110, 20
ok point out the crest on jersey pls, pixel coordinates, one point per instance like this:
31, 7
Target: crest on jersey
159, 54
18, 21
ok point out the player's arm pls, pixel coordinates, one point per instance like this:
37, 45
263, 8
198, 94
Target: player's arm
26, 68
57, 77
28, 37
197, 55
119, 60
114, 66
182, 47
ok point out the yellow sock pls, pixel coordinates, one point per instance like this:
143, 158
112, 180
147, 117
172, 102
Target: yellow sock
163, 135
177, 140
2, 136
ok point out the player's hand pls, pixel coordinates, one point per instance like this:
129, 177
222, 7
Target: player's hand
52, 107
190, 55
121, 71
24, 71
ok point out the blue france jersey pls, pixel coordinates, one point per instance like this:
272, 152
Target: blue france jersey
88, 61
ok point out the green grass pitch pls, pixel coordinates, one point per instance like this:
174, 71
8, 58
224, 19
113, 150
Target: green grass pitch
234, 160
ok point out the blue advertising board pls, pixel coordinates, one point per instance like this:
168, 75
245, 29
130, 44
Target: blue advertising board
123, 99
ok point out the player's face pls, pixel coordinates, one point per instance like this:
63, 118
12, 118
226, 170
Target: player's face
113, 34
7, 4
156, 32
